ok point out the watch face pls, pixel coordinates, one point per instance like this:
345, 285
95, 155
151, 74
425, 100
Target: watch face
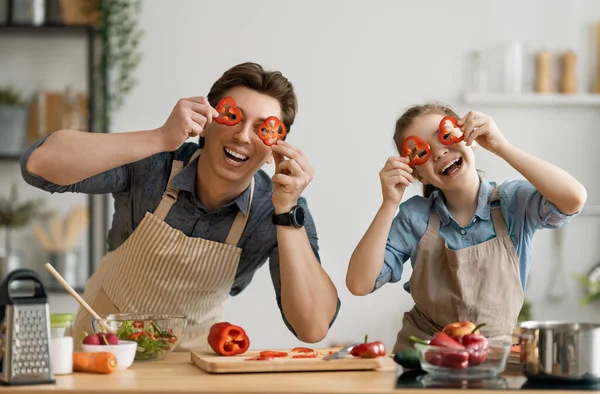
299, 216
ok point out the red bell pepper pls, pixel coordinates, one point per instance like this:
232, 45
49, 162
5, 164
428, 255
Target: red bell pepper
449, 131
271, 130
369, 349
227, 339
416, 150
229, 113
455, 355
477, 345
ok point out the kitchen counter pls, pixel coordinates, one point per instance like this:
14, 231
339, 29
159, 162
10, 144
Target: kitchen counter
177, 374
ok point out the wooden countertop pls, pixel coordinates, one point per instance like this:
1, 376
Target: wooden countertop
177, 374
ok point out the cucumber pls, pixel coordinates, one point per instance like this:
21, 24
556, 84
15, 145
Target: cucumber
408, 358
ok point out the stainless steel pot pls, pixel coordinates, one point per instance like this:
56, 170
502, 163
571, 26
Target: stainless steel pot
554, 350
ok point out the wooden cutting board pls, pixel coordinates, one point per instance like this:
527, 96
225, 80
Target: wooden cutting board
213, 363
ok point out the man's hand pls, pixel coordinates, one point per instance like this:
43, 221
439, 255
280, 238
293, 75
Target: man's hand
293, 173
188, 119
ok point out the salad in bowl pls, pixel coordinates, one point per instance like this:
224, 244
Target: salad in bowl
156, 335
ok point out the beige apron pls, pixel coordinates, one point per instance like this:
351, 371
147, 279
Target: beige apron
158, 269
480, 284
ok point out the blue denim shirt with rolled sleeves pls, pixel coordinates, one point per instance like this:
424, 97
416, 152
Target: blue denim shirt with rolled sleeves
137, 188
524, 209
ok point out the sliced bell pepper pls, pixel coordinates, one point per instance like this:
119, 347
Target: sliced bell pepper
227, 339
273, 353
229, 113
369, 349
302, 350
271, 130
304, 356
449, 132
416, 150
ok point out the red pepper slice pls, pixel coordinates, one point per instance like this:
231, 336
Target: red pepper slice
416, 150
259, 358
229, 113
227, 339
301, 349
305, 356
449, 132
138, 324
369, 349
272, 353
271, 130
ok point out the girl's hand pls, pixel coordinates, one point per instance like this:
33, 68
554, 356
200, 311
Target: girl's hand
395, 177
482, 128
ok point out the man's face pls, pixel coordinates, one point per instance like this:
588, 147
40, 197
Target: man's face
235, 153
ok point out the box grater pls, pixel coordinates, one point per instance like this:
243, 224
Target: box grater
24, 333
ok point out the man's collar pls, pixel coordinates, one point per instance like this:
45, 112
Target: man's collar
483, 207
186, 180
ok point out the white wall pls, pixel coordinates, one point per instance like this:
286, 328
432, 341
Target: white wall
374, 59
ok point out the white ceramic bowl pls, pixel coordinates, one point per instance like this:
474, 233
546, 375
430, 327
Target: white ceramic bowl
124, 352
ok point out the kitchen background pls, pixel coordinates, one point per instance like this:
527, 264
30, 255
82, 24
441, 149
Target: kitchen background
356, 66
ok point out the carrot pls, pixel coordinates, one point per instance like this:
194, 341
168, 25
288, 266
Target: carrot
94, 362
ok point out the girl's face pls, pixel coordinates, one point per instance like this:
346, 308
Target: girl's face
448, 166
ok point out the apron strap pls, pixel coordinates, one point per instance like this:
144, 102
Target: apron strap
497, 218
169, 197
239, 223
434, 220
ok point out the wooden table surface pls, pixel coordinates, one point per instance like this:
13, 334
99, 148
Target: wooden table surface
177, 374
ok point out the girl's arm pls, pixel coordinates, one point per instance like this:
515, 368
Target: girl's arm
555, 184
369, 255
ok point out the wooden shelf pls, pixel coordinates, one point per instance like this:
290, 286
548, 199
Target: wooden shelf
534, 99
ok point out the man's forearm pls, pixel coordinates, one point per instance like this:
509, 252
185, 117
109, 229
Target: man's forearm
69, 156
555, 184
308, 296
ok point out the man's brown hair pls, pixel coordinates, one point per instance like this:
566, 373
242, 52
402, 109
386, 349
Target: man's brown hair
255, 77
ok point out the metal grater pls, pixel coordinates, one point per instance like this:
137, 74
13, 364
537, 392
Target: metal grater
24, 333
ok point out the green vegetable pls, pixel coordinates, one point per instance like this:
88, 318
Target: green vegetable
153, 343
408, 358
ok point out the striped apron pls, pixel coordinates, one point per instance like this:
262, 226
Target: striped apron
158, 269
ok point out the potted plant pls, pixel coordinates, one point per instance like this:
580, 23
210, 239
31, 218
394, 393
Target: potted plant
590, 284
14, 214
13, 121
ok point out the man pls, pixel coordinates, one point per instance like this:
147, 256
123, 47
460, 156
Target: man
193, 222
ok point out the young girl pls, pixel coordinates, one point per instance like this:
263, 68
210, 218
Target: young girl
469, 240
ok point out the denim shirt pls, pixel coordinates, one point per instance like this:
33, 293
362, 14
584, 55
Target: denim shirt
137, 188
524, 209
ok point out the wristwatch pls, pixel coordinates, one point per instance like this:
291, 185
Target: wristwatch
295, 217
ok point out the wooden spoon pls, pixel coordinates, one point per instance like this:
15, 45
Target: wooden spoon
77, 297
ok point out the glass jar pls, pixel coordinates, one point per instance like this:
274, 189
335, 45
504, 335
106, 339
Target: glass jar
59, 322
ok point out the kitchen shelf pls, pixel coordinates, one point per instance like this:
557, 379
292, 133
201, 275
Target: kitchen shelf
534, 99
47, 28
9, 157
